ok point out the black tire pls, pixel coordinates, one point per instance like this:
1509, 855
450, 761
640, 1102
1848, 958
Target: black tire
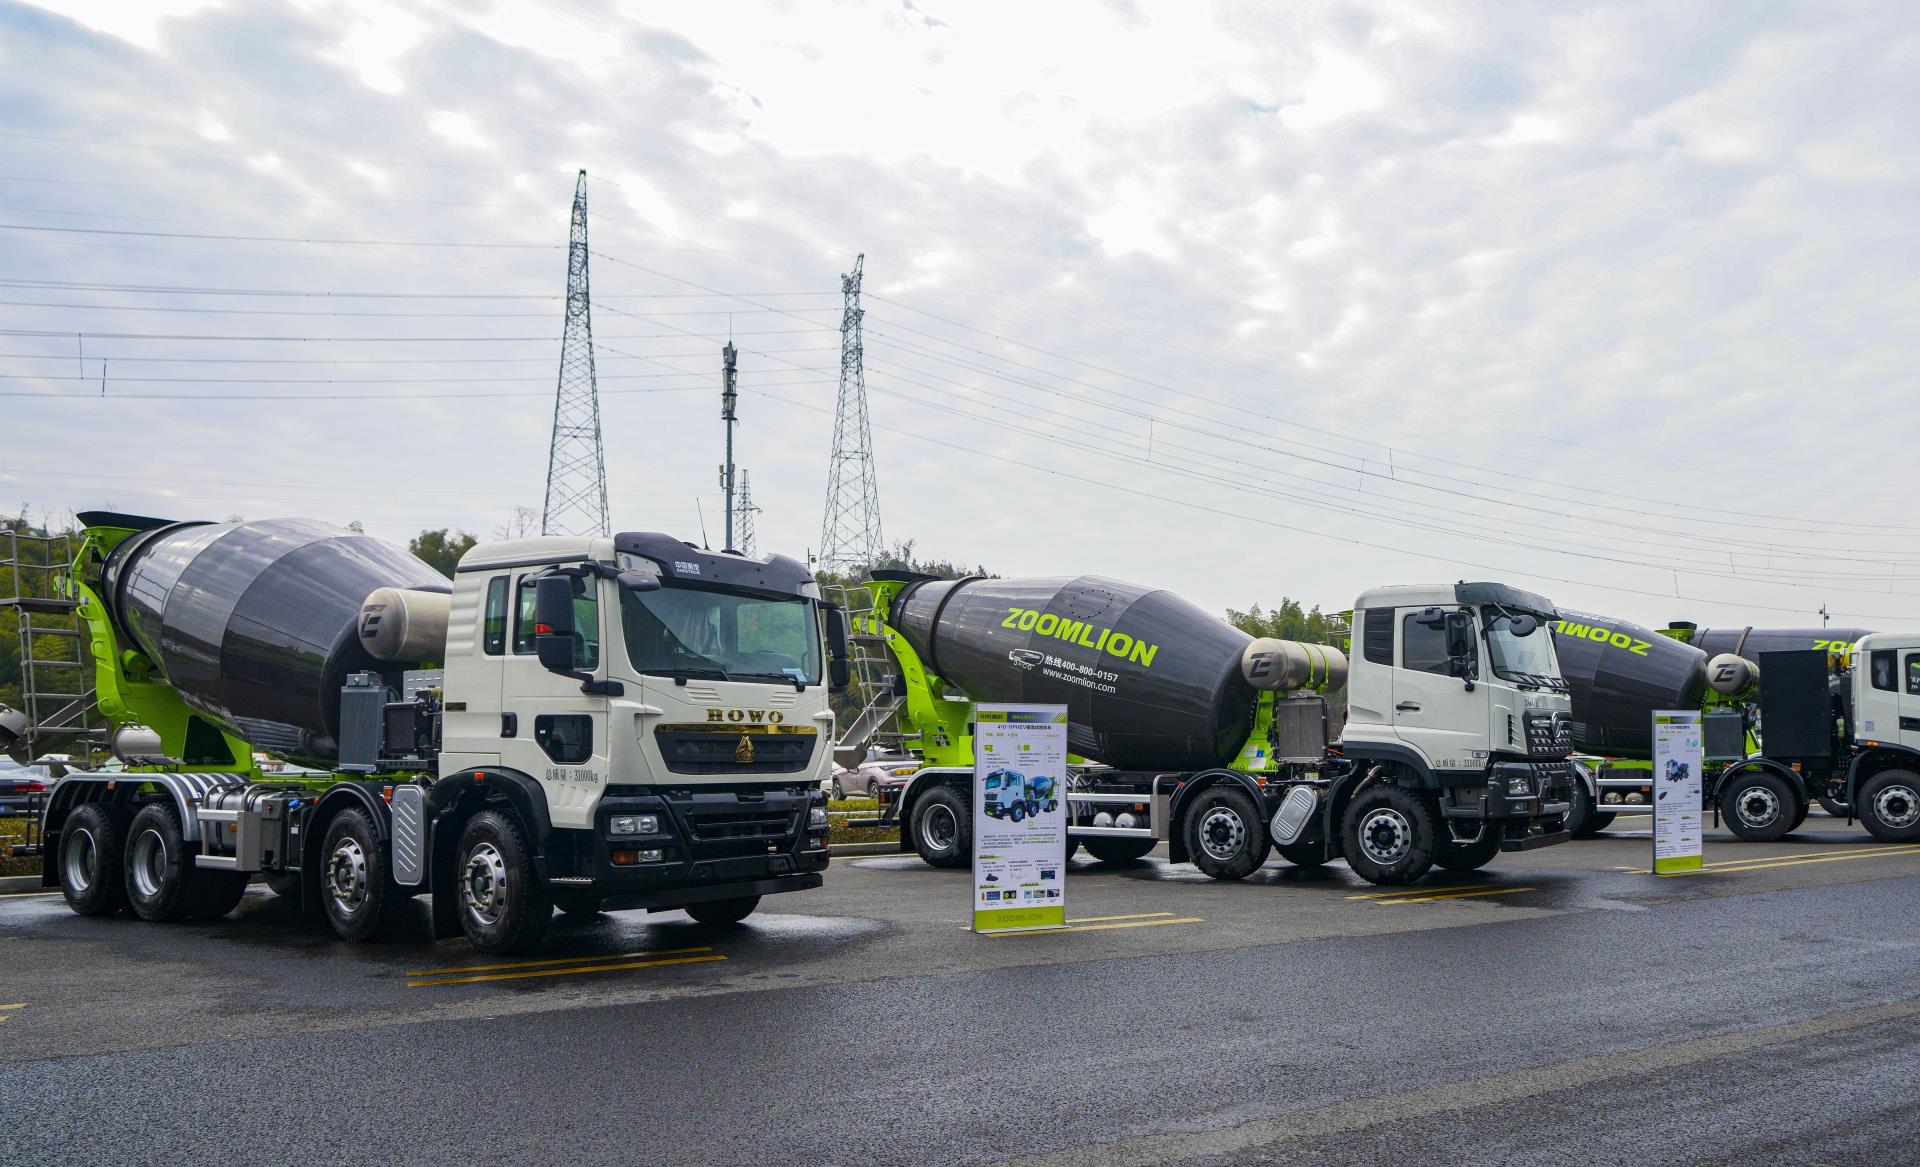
158, 867
216, 893
1585, 820
718, 912
1388, 835
285, 884
1226, 834
1837, 807
1758, 805
839, 791
1303, 853
1118, 849
943, 828
1468, 856
1802, 808
356, 891
504, 908
1889, 806
92, 861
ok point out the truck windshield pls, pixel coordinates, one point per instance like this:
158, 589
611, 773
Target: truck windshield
1525, 660
692, 631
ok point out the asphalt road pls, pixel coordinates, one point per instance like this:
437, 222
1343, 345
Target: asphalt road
1562, 1007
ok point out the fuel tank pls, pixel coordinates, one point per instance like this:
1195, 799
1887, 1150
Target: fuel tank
1617, 674
1149, 680
256, 624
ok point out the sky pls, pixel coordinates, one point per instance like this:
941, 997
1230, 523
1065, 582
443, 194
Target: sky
1612, 301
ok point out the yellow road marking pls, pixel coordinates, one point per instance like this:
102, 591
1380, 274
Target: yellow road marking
11, 895
1794, 857
1136, 916
1098, 927
1460, 895
1788, 861
564, 972
1415, 891
19, 1005
602, 957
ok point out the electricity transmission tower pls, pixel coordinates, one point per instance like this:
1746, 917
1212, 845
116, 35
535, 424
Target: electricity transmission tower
850, 536
576, 463
743, 512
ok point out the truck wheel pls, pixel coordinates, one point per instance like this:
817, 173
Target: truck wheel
1585, 820
839, 791
1468, 856
157, 883
285, 884
942, 829
1889, 806
1118, 849
1303, 853
1225, 834
355, 890
724, 911
1801, 809
504, 907
1758, 806
216, 893
1837, 807
1388, 836
93, 873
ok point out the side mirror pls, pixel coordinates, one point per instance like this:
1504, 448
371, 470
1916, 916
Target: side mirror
639, 581
1459, 627
839, 666
553, 623
1522, 625
1435, 618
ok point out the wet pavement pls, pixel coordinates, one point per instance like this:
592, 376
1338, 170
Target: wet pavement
1563, 1005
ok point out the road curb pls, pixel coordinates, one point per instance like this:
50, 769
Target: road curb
865, 849
19, 883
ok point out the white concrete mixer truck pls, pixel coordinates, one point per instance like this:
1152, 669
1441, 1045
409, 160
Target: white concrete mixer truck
1220, 745
583, 723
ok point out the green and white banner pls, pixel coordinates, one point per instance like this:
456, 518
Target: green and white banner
1019, 817
1677, 758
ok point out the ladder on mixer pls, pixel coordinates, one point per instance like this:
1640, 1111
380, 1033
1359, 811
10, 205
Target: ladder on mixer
873, 687
56, 675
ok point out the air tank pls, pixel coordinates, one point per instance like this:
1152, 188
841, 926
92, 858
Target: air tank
256, 624
1617, 674
1149, 680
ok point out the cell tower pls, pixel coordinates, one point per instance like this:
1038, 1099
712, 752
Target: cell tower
576, 462
743, 512
850, 536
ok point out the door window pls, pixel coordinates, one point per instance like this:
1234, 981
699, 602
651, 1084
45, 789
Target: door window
1882, 671
493, 628
567, 738
1376, 635
1422, 649
586, 622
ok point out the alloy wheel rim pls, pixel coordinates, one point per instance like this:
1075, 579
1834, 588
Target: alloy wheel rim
1897, 806
1385, 835
1759, 807
82, 860
1223, 833
484, 884
149, 863
347, 876
940, 827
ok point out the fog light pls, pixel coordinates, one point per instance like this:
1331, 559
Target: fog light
817, 818
634, 824
632, 858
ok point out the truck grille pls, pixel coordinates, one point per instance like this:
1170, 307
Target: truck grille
1549, 735
704, 751
708, 828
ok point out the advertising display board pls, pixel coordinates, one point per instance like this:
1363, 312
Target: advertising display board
1677, 757
1019, 817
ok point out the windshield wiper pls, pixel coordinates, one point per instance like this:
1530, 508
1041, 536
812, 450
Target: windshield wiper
682, 675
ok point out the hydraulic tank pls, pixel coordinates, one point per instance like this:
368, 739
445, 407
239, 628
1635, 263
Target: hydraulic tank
1617, 674
1149, 680
256, 624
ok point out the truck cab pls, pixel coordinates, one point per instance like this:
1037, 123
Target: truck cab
669, 703
1458, 688
1883, 779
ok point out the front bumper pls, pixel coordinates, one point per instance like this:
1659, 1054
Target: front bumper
715, 843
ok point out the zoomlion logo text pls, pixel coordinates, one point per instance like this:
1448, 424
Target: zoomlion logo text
747, 716
1085, 635
1603, 635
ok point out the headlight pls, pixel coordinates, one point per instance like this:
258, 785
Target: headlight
1518, 785
817, 819
634, 824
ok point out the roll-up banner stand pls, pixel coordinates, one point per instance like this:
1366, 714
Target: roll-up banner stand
1019, 817
1677, 758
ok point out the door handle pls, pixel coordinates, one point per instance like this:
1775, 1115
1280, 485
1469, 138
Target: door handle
1408, 707
509, 724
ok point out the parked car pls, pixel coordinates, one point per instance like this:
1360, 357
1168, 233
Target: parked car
862, 781
19, 785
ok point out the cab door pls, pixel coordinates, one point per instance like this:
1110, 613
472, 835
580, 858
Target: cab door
1910, 697
559, 734
1432, 709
